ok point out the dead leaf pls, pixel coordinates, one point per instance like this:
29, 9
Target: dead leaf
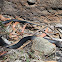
3, 18
24, 28
43, 34
14, 25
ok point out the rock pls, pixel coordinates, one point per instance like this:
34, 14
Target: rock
32, 1
44, 46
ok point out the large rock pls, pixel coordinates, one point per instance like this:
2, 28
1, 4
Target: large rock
44, 46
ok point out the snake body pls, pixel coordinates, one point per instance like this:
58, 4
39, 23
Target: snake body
23, 40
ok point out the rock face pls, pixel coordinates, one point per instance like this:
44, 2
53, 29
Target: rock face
44, 46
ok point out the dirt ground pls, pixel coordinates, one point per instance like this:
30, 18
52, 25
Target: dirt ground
41, 12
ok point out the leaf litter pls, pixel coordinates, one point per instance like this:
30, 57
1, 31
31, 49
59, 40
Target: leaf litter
18, 30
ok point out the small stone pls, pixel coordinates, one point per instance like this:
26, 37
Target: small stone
44, 46
32, 1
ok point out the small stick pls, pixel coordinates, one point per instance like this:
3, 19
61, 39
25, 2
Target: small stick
47, 34
57, 39
2, 53
24, 28
28, 21
14, 25
53, 38
3, 18
8, 24
25, 45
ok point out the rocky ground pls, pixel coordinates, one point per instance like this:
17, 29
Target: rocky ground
43, 13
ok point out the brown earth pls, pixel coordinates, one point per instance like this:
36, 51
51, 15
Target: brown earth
41, 10
48, 11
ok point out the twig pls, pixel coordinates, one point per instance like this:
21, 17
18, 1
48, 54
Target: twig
24, 28
28, 21
56, 39
47, 34
25, 45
